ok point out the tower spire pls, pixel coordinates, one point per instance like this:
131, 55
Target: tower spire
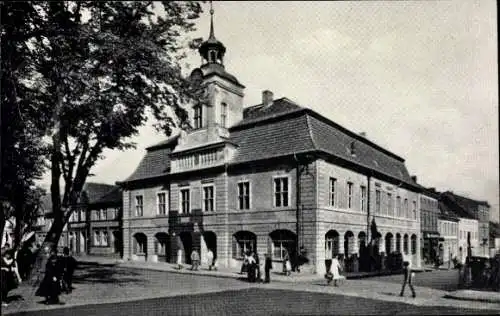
212, 35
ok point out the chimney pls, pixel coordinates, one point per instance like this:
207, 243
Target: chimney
414, 178
267, 97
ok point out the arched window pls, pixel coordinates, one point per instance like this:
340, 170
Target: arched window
331, 244
348, 243
198, 116
398, 243
243, 241
413, 244
388, 243
140, 244
283, 242
405, 244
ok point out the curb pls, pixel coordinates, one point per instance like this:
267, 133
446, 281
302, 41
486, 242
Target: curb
479, 299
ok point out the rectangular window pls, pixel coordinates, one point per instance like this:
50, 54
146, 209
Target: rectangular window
406, 209
414, 210
363, 198
97, 238
139, 208
198, 119
390, 207
398, 206
223, 115
104, 239
82, 216
377, 201
185, 203
333, 182
208, 198
244, 195
281, 192
103, 215
161, 200
349, 195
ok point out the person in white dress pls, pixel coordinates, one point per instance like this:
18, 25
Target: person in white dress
179, 259
334, 273
210, 259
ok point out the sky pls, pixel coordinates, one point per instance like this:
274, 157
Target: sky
418, 77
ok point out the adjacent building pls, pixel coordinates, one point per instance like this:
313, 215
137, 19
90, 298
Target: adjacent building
429, 215
478, 210
448, 223
274, 178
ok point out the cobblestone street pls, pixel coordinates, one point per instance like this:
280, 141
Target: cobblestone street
102, 289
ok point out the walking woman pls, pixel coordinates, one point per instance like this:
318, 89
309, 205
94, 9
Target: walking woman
50, 288
10, 275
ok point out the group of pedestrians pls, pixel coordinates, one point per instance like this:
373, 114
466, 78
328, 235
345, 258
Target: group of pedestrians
252, 266
196, 260
58, 276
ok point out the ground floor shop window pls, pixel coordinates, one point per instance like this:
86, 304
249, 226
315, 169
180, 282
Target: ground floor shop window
283, 242
243, 242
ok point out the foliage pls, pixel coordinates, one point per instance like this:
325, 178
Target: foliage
92, 70
22, 149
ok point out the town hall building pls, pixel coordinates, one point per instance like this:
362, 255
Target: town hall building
274, 178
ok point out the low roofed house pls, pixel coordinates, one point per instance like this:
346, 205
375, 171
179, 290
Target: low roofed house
79, 236
478, 210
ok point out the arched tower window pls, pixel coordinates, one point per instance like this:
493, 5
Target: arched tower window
223, 115
198, 116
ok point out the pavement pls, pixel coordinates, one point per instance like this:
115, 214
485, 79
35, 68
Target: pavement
104, 281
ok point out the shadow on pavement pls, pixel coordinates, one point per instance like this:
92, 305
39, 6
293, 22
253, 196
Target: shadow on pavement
106, 273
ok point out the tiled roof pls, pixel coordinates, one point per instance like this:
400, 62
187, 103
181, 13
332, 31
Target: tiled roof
112, 196
446, 211
285, 128
155, 163
331, 139
94, 191
274, 139
453, 201
272, 132
258, 112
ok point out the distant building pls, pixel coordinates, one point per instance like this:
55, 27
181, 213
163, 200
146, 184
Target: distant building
429, 215
494, 239
449, 234
94, 226
274, 178
97, 214
478, 210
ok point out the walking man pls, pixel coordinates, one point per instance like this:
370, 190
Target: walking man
408, 279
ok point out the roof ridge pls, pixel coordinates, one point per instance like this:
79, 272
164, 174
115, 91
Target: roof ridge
311, 134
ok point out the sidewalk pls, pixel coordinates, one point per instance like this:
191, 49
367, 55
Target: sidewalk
464, 295
472, 295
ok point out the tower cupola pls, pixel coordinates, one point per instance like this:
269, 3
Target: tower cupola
212, 51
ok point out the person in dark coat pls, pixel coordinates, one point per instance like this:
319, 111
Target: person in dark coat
9, 277
50, 288
408, 276
257, 266
251, 268
68, 264
268, 266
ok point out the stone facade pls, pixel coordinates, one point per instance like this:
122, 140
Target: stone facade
260, 179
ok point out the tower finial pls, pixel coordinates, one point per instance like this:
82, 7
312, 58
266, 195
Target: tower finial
211, 21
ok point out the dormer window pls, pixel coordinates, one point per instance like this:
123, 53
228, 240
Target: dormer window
353, 149
198, 118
